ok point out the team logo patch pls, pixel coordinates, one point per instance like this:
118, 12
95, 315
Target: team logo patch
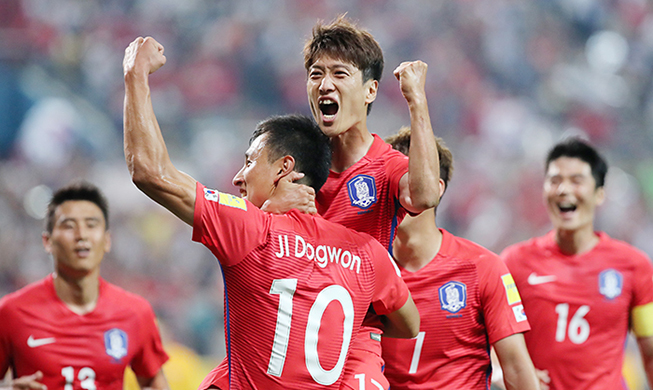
362, 191
115, 343
453, 296
511, 289
520, 314
611, 283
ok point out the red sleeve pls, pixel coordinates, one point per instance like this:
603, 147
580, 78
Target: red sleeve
503, 310
5, 340
152, 355
396, 167
643, 282
391, 292
228, 225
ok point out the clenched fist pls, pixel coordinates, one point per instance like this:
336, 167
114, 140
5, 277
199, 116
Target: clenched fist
143, 56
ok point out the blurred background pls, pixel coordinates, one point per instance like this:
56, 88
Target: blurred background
506, 80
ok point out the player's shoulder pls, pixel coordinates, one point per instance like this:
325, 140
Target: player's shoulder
529, 247
463, 247
625, 250
125, 299
33, 292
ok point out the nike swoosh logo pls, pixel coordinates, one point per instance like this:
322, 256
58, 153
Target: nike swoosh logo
33, 343
534, 279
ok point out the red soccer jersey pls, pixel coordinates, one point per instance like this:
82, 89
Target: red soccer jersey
579, 307
467, 301
297, 288
365, 196
39, 332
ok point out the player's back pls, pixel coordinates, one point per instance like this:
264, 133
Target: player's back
294, 300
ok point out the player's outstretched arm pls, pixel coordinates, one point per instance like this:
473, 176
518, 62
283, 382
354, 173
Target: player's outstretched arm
646, 350
145, 150
518, 369
402, 323
25, 382
419, 189
157, 382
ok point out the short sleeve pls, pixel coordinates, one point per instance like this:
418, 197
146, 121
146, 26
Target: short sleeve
643, 282
5, 340
396, 167
503, 310
228, 225
391, 292
148, 361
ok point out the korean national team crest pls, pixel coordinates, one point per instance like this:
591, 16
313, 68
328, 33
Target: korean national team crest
453, 296
611, 282
362, 191
115, 343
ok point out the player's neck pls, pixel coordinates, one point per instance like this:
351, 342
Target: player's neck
349, 147
418, 242
576, 242
79, 294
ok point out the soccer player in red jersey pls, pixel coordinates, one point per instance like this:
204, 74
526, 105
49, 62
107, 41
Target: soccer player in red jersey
371, 186
467, 301
72, 329
583, 290
297, 286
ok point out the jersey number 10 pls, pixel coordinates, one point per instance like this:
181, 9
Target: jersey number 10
286, 288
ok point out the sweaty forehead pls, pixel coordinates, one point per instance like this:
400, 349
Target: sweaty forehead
257, 147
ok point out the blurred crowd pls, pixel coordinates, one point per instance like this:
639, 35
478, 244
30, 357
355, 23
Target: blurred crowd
506, 79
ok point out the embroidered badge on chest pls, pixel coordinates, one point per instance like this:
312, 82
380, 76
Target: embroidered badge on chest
453, 296
611, 283
362, 191
115, 343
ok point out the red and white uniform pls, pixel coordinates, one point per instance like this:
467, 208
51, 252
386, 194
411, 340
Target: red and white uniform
365, 197
297, 289
579, 307
38, 332
467, 301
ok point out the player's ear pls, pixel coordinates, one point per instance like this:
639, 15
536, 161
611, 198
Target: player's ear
285, 165
600, 195
45, 236
443, 187
371, 88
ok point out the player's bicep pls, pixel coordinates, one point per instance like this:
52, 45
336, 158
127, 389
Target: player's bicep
404, 322
176, 191
157, 382
404, 196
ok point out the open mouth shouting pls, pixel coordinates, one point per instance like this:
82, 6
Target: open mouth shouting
329, 108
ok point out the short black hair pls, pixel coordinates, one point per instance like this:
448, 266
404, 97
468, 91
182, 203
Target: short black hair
77, 190
300, 137
577, 148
